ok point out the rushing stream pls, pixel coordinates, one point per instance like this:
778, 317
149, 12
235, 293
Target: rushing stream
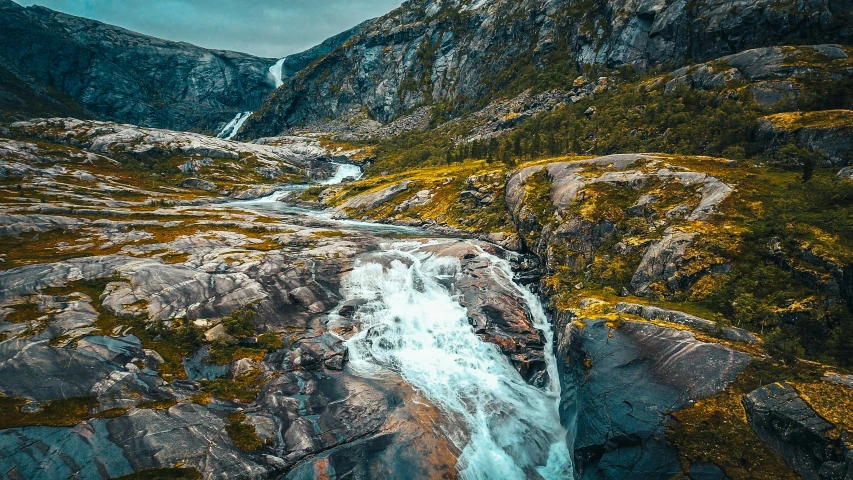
343, 171
411, 322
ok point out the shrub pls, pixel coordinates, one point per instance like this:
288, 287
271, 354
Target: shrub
784, 345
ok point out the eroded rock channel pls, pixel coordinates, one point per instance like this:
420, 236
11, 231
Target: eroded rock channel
323, 347
210, 328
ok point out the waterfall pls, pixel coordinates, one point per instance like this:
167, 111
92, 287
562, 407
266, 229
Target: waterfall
342, 172
233, 126
276, 72
414, 325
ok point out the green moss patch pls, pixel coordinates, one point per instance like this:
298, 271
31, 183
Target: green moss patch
55, 413
159, 404
820, 119
243, 389
243, 434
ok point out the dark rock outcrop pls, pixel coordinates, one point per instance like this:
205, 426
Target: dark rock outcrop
620, 385
783, 420
119, 75
773, 74
293, 64
830, 132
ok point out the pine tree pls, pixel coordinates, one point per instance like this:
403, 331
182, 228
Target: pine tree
553, 146
535, 145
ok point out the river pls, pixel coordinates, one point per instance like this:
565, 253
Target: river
411, 323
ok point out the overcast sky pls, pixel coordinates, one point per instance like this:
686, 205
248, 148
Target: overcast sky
267, 28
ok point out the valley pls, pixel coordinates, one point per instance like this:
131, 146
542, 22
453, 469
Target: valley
467, 239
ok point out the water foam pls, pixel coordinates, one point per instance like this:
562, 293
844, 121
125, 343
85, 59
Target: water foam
342, 172
276, 72
413, 324
230, 130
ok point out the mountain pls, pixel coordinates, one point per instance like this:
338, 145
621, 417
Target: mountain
640, 209
115, 74
457, 54
293, 64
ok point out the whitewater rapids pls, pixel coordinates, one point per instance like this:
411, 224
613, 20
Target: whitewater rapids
412, 323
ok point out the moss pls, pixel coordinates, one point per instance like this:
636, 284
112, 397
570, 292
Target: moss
244, 389
201, 398
35, 248
112, 413
173, 342
833, 402
242, 434
821, 119
159, 404
24, 313
270, 342
55, 413
221, 353
164, 474
329, 234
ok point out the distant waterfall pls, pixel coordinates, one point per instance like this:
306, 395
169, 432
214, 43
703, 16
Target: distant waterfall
234, 126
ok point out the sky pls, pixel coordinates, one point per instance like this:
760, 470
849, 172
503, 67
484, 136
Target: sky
267, 28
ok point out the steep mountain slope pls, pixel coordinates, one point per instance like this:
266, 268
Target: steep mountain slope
119, 75
458, 54
293, 64
22, 97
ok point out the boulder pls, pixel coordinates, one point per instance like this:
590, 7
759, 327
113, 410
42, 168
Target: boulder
367, 201
656, 313
199, 184
662, 261
619, 386
783, 420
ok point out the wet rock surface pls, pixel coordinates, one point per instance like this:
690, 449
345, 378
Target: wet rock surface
106, 330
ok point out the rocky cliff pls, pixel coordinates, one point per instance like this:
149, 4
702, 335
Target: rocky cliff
115, 74
456, 54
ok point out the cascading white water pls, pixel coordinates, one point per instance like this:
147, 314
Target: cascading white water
342, 172
230, 130
276, 72
412, 324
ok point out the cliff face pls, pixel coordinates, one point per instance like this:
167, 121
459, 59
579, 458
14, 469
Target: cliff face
455, 53
119, 75
293, 64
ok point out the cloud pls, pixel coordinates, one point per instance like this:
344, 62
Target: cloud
268, 28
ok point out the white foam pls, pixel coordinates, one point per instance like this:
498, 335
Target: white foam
276, 71
504, 427
344, 171
233, 126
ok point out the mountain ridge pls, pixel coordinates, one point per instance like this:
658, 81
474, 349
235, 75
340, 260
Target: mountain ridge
453, 54
116, 74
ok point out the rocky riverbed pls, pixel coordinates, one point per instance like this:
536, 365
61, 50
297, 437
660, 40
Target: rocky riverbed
157, 326
148, 327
